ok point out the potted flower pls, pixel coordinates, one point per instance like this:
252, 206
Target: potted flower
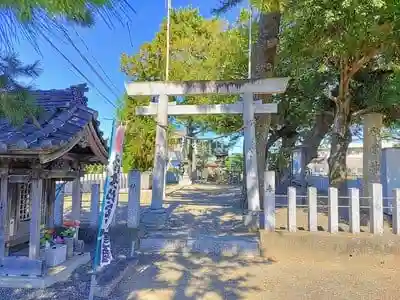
68, 233
47, 239
53, 253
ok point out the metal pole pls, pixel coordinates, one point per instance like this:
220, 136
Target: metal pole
250, 40
96, 262
166, 79
168, 39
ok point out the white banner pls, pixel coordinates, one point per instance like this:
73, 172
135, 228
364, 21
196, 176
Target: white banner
111, 195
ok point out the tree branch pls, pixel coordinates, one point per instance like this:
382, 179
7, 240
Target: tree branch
357, 65
363, 112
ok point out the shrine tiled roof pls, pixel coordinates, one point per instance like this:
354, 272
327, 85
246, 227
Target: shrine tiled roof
65, 114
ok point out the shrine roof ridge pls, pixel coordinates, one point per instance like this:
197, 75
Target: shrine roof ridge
64, 115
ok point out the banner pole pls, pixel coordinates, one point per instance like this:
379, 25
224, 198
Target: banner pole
100, 222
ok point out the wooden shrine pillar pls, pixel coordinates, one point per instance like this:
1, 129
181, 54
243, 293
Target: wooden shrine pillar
59, 204
51, 198
36, 217
3, 209
94, 205
76, 202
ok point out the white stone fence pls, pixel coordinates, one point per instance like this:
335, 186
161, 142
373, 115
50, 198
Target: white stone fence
353, 207
90, 206
89, 179
349, 210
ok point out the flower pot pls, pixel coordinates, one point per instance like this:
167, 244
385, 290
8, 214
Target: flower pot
55, 255
69, 242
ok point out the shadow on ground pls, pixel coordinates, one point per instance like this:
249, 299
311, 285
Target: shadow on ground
183, 277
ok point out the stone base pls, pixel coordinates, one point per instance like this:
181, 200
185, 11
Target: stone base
209, 245
185, 180
154, 218
251, 220
54, 275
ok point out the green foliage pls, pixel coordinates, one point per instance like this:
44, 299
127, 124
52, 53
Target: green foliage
235, 161
72, 10
346, 38
200, 49
139, 136
43, 17
16, 103
341, 32
94, 169
262, 5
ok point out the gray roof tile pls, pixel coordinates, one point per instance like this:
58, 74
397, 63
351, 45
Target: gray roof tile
65, 114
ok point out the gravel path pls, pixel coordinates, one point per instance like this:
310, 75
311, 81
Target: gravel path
206, 209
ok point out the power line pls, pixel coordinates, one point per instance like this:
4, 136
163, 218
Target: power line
130, 36
95, 60
88, 63
104, 14
77, 70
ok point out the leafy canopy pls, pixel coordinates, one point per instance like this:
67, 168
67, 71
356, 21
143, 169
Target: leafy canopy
33, 17
344, 34
16, 103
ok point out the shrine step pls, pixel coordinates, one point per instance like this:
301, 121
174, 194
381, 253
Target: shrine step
210, 245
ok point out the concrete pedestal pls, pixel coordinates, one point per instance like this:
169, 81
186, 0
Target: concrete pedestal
134, 199
251, 220
372, 149
185, 180
56, 255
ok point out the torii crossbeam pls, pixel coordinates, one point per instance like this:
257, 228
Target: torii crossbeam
248, 108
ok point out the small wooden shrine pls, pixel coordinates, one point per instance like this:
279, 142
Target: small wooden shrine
55, 146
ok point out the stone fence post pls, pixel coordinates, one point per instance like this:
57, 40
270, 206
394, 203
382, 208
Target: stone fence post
134, 182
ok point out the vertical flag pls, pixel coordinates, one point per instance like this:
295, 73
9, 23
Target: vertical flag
110, 196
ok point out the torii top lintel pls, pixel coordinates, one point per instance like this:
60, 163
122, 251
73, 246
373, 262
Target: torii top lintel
232, 87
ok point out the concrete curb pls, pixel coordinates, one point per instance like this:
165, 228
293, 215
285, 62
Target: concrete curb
175, 189
336, 244
210, 245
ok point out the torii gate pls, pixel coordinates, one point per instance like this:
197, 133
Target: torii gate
163, 108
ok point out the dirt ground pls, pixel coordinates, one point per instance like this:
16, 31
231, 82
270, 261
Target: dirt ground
300, 268
181, 277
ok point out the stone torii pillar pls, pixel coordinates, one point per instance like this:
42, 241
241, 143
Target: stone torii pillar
156, 215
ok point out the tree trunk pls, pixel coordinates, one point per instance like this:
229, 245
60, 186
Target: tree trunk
341, 138
283, 171
263, 61
312, 141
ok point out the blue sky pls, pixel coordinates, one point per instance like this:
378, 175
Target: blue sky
106, 46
